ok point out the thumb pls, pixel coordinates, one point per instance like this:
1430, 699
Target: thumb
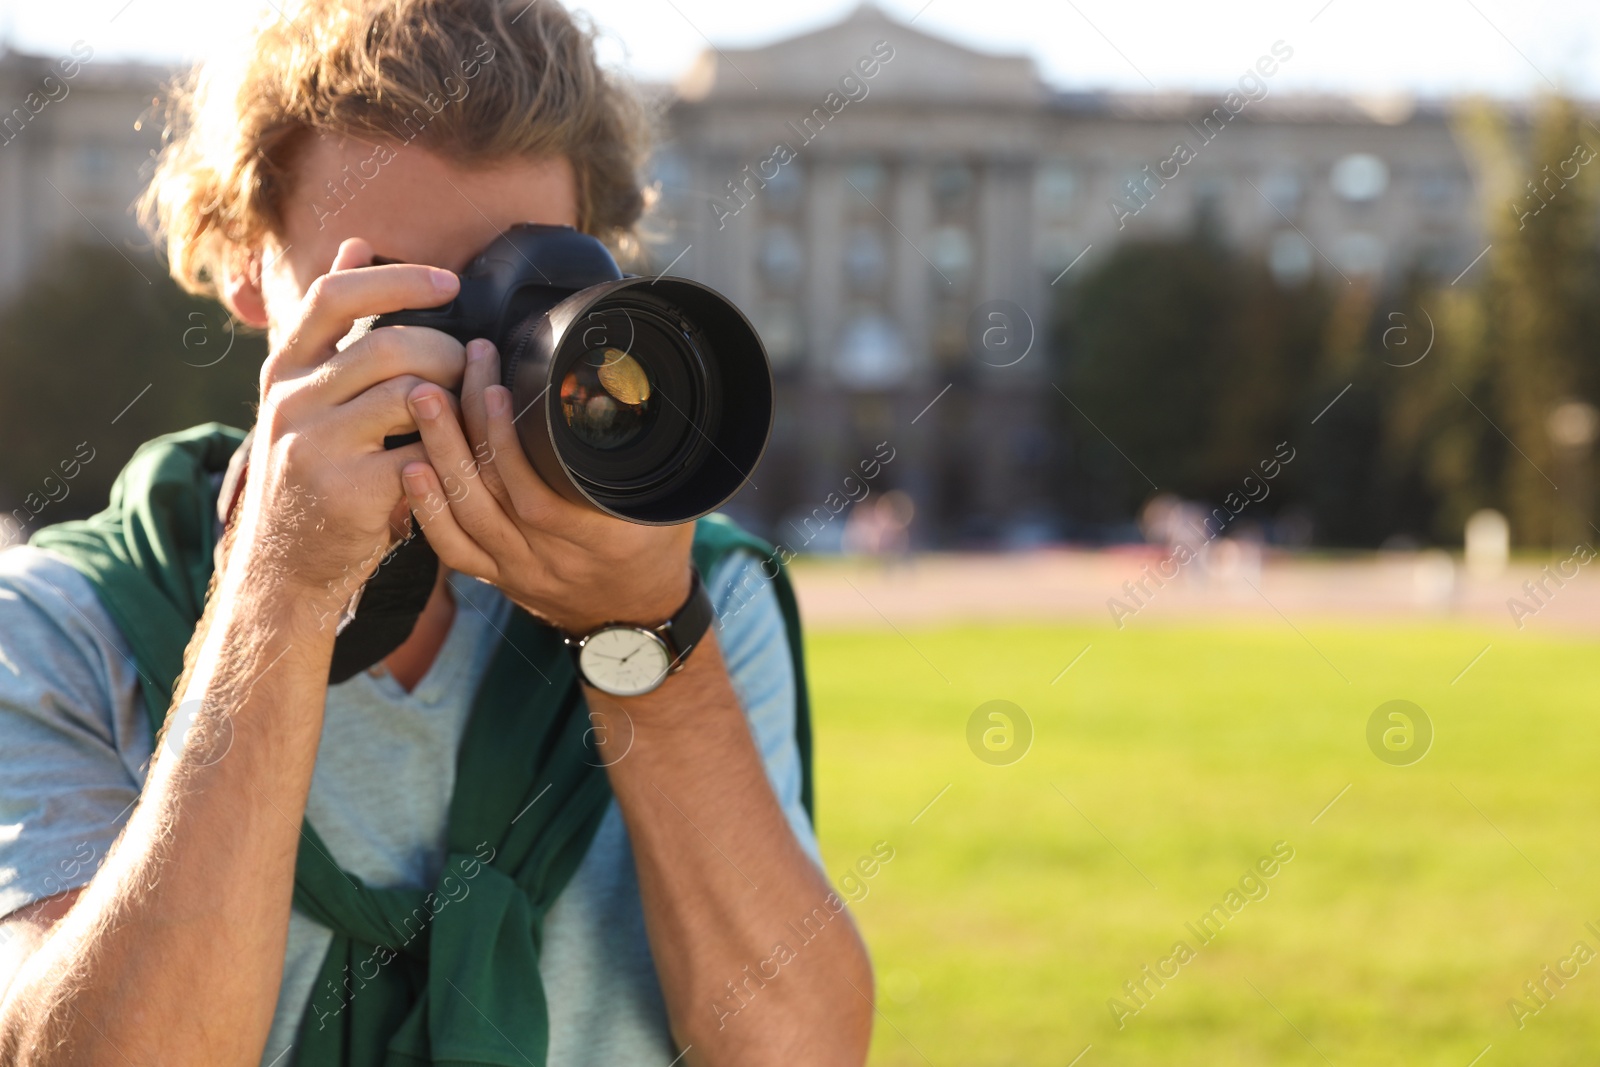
353, 252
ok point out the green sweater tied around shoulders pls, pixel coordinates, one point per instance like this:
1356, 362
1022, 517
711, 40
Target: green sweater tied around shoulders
442, 976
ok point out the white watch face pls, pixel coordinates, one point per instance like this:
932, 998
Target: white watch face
624, 661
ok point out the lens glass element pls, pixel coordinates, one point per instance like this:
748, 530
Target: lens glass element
606, 398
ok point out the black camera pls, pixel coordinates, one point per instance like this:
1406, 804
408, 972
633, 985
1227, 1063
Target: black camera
648, 398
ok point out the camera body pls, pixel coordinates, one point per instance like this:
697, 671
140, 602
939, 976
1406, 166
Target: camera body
649, 399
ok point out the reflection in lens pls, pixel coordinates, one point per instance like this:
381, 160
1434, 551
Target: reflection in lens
606, 398
623, 377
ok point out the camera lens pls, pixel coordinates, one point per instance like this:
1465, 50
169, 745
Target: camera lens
656, 393
632, 391
608, 398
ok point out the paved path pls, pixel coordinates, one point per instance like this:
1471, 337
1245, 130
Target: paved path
1073, 585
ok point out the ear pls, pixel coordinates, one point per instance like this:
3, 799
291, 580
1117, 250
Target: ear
240, 288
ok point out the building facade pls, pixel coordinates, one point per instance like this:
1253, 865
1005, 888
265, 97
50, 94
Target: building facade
896, 212
76, 138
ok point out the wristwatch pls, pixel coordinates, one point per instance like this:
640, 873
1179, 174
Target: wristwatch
629, 660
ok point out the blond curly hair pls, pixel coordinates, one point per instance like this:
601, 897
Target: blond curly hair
477, 81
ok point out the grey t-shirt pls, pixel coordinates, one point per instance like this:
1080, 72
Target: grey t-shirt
75, 743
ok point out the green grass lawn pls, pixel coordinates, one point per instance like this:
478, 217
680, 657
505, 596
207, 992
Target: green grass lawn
1397, 933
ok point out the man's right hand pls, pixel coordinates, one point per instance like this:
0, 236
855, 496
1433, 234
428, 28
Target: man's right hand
323, 499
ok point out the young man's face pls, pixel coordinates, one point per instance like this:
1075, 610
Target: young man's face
407, 203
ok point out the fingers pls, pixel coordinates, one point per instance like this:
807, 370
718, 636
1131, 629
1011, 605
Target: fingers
486, 411
477, 511
391, 352
482, 371
381, 411
429, 503
352, 291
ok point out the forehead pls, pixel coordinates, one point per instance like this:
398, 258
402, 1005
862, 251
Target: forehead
411, 204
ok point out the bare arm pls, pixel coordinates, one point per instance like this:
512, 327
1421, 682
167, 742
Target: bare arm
173, 953
725, 883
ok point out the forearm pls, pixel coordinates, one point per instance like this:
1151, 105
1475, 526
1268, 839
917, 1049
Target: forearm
724, 883
173, 953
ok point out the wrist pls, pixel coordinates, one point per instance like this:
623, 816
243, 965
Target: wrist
684, 700
656, 601
265, 595
632, 659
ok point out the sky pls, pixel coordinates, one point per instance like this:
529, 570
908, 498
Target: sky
1506, 48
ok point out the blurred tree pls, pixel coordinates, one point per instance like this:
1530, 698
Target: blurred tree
1194, 363
98, 354
1335, 480
1378, 409
1190, 359
1529, 330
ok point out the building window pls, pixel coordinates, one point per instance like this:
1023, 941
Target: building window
782, 194
1359, 253
1283, 190
1054, 188
96, 162
949, 334
1055, 247
1435, 188
872, 353
950, 250
1442, 259
782, 331
782, 260
1359, 177
1438, 193
671, 170
866, 260
1210, 199
870, 182
1289, 257
952, 188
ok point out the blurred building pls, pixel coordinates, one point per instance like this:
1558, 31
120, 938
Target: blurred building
897, 238
72, 149
895, 212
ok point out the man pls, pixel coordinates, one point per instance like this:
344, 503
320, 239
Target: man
228, 892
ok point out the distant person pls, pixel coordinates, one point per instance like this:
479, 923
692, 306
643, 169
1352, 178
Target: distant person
1178, 525
881, 528
440, 858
